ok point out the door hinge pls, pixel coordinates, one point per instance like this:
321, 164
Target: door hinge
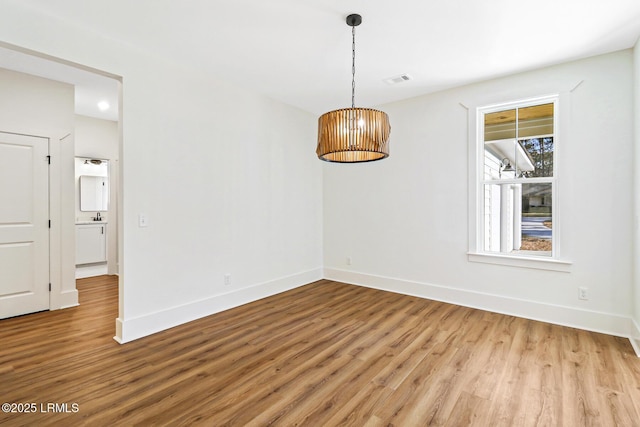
49, 159
49, 287
49, 223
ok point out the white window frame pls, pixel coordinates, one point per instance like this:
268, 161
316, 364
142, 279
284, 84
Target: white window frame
477, 181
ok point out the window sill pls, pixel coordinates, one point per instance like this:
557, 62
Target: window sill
521, 261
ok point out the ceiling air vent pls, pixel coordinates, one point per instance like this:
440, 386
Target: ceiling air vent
397, 79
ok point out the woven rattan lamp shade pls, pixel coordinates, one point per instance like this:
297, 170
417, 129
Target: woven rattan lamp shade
353, 135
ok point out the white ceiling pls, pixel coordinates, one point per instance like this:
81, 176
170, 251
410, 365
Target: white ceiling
299, 52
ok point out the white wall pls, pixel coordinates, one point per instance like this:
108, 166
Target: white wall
636, 196
404, 221
228, 179
35, 106
98, 139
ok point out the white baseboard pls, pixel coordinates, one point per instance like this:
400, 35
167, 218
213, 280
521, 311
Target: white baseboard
91, 270
607, 323
635, 337
69, 298
138, 327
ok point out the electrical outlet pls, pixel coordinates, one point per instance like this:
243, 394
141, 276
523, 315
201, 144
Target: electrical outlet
583, 293
348, 260
227, 279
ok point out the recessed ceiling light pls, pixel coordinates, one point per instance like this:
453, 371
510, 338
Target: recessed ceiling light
103, 105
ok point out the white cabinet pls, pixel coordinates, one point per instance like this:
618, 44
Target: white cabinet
91, 243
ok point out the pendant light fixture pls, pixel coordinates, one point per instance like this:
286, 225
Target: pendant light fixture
353, 135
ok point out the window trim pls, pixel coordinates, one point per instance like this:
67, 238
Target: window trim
477, 181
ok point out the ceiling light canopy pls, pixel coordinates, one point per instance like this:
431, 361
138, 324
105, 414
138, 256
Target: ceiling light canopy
353, 135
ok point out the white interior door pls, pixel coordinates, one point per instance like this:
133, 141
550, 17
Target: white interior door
24, 224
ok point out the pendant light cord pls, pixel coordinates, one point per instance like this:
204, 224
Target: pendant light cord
353, 67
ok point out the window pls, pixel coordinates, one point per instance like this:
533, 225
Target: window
516, 179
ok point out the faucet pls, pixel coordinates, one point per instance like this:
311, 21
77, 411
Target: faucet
97, 218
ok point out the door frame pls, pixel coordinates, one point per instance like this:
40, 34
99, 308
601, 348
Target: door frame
62, 242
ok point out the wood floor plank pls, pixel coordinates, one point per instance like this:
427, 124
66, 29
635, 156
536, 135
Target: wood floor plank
580, 391
469, 410
359, 409
401, 408
325, 354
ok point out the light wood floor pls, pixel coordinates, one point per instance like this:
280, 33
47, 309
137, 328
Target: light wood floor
325, 354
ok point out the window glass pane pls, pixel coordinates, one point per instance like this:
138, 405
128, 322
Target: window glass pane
535, 121
494, 165
505, 159
500, 144
539, 153
500, 125
493, 227
517, 218
537, 228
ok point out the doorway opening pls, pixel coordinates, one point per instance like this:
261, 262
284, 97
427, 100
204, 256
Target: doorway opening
93, 133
